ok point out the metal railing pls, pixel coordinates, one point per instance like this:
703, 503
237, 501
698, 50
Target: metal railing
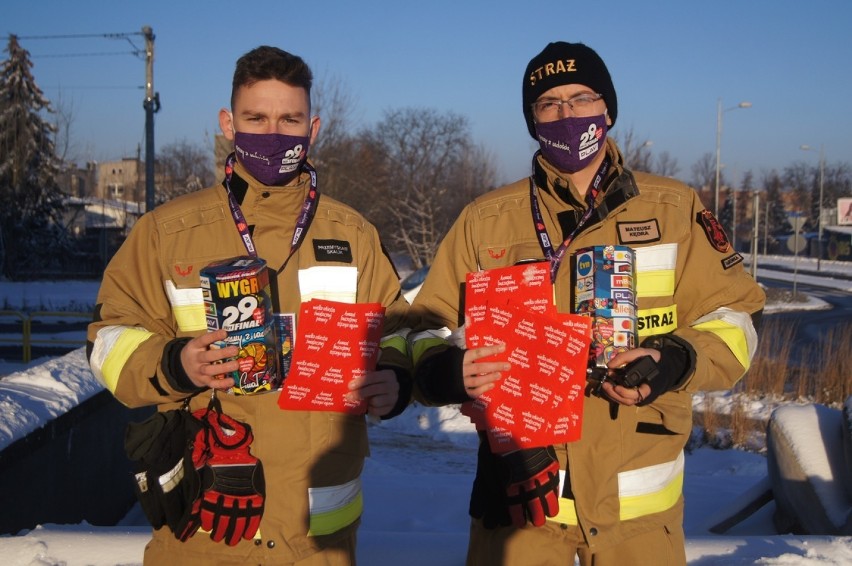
30, 321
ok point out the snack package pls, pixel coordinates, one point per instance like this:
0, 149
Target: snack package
237, 298
605, 290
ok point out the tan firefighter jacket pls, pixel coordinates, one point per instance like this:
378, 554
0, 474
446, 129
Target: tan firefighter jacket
626, 473
150, 296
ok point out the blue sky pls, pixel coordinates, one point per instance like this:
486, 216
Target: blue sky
671, 62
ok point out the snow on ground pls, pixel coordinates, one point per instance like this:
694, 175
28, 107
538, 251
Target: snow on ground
416, 482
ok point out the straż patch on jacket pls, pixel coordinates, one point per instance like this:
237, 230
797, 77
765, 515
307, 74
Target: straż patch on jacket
332, 250
713, 228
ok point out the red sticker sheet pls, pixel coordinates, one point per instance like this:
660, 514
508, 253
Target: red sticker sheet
337, 343
539, 401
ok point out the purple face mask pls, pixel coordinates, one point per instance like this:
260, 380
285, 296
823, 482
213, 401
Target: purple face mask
272, 159
570, 143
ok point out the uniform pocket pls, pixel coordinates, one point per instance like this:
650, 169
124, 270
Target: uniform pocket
671, 413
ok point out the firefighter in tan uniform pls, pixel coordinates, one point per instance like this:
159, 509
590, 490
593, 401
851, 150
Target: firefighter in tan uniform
614, 497
149, 343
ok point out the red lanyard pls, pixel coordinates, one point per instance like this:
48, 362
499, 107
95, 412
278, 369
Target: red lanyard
555, 257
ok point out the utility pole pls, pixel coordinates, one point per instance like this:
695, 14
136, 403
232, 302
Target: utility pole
151, 105
756, 214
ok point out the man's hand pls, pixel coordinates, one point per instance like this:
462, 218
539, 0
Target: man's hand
379, 388
480, 377
205, 366
626, 395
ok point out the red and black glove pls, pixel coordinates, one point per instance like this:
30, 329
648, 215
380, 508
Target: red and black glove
232, 481
198, 455
532, 485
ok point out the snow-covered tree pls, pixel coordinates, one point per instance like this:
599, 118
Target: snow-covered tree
34, 240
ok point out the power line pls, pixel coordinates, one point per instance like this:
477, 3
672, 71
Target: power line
100, 54
81, 35
137, 51
91, 87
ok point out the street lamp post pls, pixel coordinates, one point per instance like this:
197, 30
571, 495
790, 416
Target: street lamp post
719, 113
819, 205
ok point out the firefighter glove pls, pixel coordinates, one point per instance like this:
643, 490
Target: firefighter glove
166, 481
532, 485
232, 481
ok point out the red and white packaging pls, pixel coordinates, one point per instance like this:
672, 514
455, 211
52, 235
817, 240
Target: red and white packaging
337, 343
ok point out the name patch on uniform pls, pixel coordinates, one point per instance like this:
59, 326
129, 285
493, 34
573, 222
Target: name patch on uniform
640, 232
732, 260
332, 250
714, 231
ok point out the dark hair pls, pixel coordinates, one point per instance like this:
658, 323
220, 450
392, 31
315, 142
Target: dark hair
265, 63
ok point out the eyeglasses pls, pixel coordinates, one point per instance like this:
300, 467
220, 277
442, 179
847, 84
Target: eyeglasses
549, 109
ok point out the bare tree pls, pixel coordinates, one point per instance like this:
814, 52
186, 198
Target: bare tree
704, 172
431, 166
704, 179
803, 181
182, 167
666, 165
335, 104
637, 154
778, 217
63, 119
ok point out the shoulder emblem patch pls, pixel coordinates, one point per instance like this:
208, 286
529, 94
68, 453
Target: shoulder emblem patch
714, 231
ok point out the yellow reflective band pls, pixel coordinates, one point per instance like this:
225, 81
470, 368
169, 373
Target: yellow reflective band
333, 508
567, 512
660, 320
650, 490
640, 505
190, 317
116, 344
396, 342
188, 307
421, 346
655, 283
655, 270
732, 335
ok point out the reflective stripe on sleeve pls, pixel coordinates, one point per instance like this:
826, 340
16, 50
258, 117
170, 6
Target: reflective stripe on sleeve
335, 507
397, 341
422, 341
187, 306
735, 329
113, 347
650, 490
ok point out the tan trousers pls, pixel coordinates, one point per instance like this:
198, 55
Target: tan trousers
341, 553
557, 545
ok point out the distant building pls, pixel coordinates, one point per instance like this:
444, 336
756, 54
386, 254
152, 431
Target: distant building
122, 180
77, 181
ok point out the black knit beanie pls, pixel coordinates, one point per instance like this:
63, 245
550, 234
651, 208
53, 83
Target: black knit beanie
562, 63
